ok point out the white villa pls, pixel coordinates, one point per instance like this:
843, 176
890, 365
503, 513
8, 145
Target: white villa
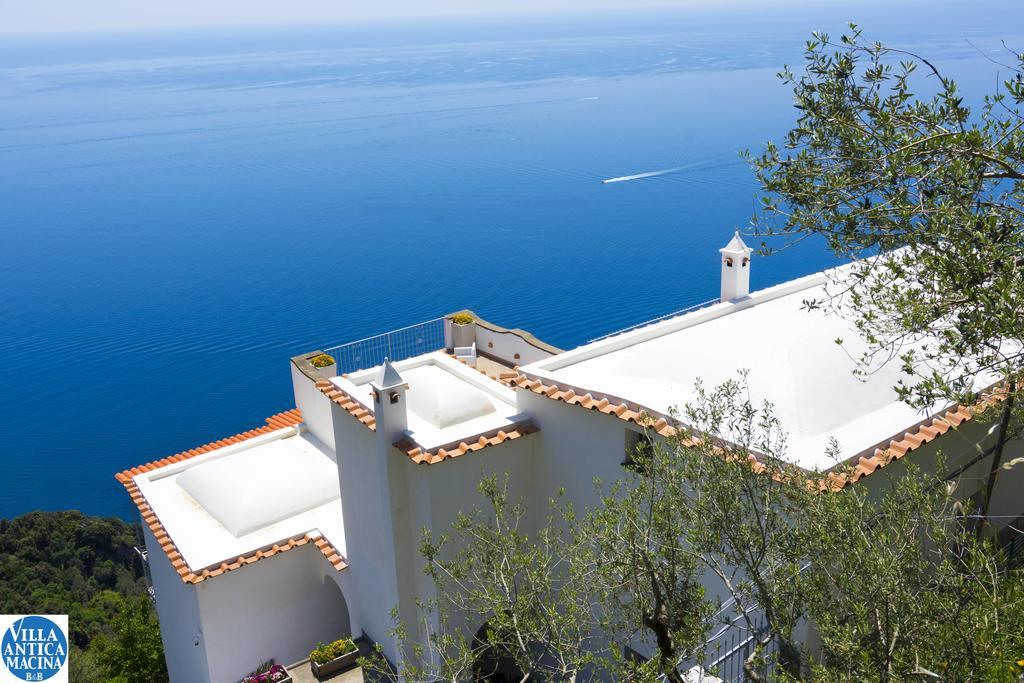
307, 529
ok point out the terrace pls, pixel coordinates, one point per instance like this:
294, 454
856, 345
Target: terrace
247, 496
490, 348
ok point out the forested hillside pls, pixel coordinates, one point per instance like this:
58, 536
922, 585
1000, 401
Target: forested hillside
85, 567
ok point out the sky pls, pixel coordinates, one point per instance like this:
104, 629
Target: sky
47, 16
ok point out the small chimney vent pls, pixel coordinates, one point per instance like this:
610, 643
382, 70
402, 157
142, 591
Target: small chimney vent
735, 269
389, 408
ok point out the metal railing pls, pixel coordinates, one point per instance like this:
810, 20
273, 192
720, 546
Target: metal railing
688, 309
734, 641
143, 554
1014, 552
395, 345
736, 646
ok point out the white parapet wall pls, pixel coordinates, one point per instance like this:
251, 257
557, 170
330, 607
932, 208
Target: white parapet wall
511, 346
177, 608
508, 346
315, 407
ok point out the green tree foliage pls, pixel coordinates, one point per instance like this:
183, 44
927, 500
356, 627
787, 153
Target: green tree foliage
888, 572
900, 587
68, 563
646, 588
886, 576
525, 600
926, 194
134, 653
83, 668
742, 515
85, 567
938, 188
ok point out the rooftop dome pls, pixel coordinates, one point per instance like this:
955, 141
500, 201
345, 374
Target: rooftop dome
252, 489
442, 399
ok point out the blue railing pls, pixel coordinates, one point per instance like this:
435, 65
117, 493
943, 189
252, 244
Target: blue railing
395, 345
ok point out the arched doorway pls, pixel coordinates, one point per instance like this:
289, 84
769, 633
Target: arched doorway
338, 621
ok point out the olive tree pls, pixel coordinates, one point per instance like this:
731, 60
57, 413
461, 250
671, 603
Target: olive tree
528, 587
885, 574
646, 589
881, 579
925, 194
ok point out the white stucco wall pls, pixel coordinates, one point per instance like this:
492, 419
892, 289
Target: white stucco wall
574, 446
410, 510
507, 345
954, 450
276, 608
450, 487
1008, 496
315, 407
387, 499
367, 516
177, 608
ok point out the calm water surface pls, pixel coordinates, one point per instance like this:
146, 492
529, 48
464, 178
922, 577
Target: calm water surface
181, 213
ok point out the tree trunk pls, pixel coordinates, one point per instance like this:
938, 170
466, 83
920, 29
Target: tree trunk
997, 453
748, 664
666, 648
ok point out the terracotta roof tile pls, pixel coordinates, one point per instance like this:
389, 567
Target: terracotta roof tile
910, 440
508, 378
280, 421
471, 444
624, 411
505, 378
188, 574
349, 404
880, 456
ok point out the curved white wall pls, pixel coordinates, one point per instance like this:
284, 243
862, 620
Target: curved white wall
276, 608
506, 345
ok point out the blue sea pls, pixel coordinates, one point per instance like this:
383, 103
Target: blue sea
182, 211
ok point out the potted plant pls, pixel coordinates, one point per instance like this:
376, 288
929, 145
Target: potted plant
269, 672
463, 330
325, 364
329, 659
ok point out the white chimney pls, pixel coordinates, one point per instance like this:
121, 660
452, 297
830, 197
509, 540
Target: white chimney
735, 269
389, 411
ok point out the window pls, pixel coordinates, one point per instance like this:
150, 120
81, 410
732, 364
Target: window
639, 450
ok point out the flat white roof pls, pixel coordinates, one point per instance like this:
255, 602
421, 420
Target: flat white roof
791, 355
246, 496
447, 401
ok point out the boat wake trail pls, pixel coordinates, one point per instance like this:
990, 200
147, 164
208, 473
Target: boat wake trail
638, 176
714, 163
